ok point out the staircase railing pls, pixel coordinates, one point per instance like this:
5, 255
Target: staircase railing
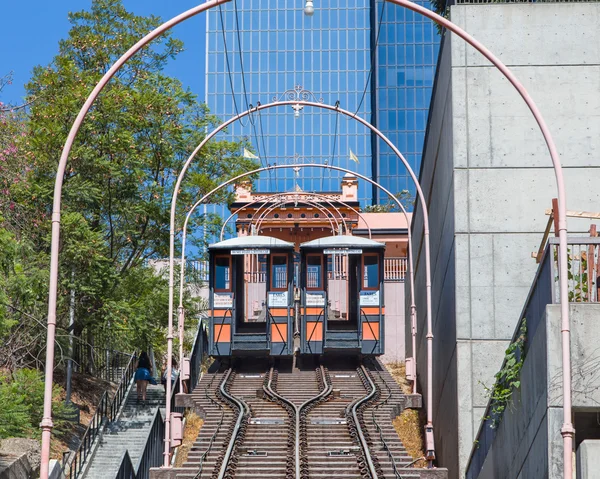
126, 471
198, 350
123, 388
103, 363
153, 452
92, 431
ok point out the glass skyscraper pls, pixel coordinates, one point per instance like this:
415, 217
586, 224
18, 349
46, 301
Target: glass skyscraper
329, 54
407, 54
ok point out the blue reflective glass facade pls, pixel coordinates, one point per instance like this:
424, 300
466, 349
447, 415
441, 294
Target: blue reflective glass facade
407, 54
329, 54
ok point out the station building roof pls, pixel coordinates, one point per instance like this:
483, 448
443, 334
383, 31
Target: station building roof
342, 241
252, 242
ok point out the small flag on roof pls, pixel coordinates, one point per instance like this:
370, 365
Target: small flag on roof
249, 154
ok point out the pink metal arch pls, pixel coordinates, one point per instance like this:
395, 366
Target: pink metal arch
324, 210
275, 167
567, 430
354, 210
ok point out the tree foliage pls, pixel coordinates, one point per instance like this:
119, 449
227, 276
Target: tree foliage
404, 196
117, 184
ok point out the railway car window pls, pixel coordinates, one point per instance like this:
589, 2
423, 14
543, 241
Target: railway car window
222, 273
279, 272
314, 272
371, 271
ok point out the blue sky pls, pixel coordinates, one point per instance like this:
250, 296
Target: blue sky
31, 30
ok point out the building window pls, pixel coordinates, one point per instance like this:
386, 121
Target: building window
223, 273
279, 272
314, 272
370, 271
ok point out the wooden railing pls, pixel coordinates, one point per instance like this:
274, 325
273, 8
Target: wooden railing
394, 269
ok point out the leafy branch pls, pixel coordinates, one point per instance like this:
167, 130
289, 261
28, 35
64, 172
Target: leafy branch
509, 377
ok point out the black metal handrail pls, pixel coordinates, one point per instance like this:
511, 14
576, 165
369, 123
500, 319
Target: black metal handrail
103, 363
229, 310
153, 451
362, 312
123, 388
321, 314
272, 321
126, 471
198, 350
92, 431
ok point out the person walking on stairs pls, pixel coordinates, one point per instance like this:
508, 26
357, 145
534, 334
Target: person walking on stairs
143, 375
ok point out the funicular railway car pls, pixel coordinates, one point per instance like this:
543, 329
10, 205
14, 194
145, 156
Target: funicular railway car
251, 297
342, 304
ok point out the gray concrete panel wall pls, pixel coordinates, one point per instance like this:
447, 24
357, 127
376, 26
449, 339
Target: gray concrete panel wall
528, 444
436, 179
489, 179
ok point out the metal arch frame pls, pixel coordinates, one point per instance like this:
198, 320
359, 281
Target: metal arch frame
266, 211
567, 430
429, 426
269, 208
276, 167
354, 210
322, 209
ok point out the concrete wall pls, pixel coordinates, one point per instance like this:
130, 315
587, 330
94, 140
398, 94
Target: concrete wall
527, 442
488, 178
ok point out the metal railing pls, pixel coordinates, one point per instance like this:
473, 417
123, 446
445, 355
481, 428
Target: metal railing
583, 269
199, 349
102, 363
153, 452
123, 388
85, 447
126, 471
394, 269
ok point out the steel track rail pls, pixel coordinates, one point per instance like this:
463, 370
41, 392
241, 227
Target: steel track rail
218, 428
361, 436
298, 411
243, 410
384, 443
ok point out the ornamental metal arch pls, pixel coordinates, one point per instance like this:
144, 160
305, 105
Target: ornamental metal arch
316, 195
429, 439
181, 315
266, 211
279, 201
567, 430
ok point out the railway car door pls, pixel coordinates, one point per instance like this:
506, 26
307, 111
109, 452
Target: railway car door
251, 291
371, 302
221, 303
342, 290
313, 302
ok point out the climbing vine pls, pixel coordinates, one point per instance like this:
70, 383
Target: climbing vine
509, 377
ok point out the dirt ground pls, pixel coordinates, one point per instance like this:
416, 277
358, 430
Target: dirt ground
410, 424
86, 393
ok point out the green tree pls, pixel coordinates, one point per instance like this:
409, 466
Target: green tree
405, 197
121, 171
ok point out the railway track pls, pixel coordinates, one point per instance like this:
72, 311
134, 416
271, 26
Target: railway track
329, 421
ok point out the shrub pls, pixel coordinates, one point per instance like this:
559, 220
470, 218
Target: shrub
22, 400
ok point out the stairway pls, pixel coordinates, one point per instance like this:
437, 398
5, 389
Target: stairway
128, 433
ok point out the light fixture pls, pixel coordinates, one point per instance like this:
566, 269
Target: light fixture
309, 9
